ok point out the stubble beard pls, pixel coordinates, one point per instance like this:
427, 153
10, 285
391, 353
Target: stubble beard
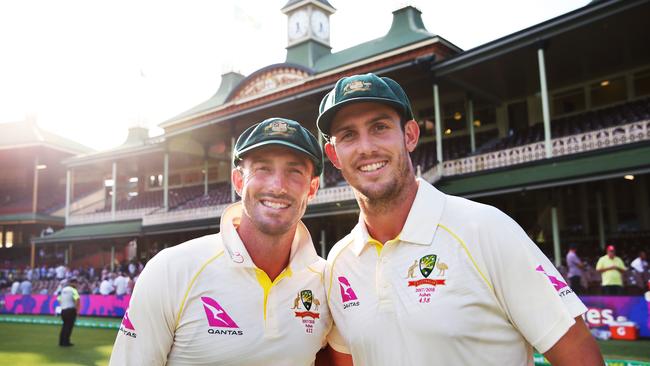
275, 225
389, 195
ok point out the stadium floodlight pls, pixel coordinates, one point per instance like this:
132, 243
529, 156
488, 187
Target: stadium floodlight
108, 183
629, 177
41, 167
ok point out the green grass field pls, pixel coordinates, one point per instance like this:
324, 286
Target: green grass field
37, 344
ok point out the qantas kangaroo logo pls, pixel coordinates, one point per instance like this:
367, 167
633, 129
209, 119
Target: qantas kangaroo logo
126, 322
347, 293
559, 285
217, 316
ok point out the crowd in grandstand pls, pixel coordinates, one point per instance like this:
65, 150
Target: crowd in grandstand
50, 280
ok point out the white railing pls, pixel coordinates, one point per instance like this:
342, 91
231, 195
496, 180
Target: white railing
588, 141
325, 195
199, 213
120, 215
333, 194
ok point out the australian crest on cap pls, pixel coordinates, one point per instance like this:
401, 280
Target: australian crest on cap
356, 86
279, 127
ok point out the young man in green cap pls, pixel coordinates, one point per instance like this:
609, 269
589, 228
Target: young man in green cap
251, 294
428, 278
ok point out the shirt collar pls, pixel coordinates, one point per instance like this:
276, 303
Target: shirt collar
421, 222
302, 254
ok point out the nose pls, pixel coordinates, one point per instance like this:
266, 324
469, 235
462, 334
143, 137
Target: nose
278, 182
365, 145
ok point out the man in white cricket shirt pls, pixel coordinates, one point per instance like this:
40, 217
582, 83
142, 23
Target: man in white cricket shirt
426, 278
252, 294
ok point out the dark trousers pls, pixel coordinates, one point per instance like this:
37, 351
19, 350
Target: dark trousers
613, 290
575, 284
68, 316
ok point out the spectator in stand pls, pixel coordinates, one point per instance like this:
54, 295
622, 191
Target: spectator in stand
121, 284
106, 287
15, 287
640, 269
60, 272
29, 274
640, 264
132, 268
91, 272
575, 268
611, 269
26, 287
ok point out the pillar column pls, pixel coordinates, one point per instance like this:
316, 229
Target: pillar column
470, 124
545, 105
166, 181
114, 190
438, 120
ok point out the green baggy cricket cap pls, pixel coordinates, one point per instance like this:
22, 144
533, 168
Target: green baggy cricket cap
279, 131
362, 88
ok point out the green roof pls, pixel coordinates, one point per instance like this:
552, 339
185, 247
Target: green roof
229, 82
30, 217
407, 28
108, 230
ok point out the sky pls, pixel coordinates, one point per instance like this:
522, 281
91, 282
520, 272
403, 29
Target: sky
89, 70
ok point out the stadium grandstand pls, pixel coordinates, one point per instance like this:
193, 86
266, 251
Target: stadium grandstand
551, 124
32, 186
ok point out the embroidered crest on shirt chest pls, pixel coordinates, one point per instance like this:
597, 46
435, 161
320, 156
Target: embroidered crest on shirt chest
310, 304
423, 286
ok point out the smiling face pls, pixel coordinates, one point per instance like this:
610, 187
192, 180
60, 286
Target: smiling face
371, 149
275, 184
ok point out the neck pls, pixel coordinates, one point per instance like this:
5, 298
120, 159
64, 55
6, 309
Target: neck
270, 253
385, 220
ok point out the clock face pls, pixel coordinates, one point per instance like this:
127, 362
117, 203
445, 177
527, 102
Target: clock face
298, 23
320, 24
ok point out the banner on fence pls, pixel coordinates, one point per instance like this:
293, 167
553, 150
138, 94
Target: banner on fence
604, 310
91, 305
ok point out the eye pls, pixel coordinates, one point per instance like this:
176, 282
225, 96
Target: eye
380, 126
346, 135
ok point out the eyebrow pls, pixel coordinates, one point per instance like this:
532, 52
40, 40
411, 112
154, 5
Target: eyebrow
266, 160
376, 118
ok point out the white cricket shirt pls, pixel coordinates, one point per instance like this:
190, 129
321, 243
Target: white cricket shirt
204, 302
461, 285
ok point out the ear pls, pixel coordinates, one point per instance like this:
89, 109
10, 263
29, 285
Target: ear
411, 135
237, 180
330, 151
313, 187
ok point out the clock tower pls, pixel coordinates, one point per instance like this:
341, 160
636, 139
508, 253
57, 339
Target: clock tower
308, 30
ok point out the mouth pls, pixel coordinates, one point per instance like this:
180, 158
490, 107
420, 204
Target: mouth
369, 168
274, 204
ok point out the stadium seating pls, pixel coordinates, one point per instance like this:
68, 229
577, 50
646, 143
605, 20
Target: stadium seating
617, 115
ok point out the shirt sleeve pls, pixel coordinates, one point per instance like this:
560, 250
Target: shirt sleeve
600, 264
146, 334
528, 287
75, 294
